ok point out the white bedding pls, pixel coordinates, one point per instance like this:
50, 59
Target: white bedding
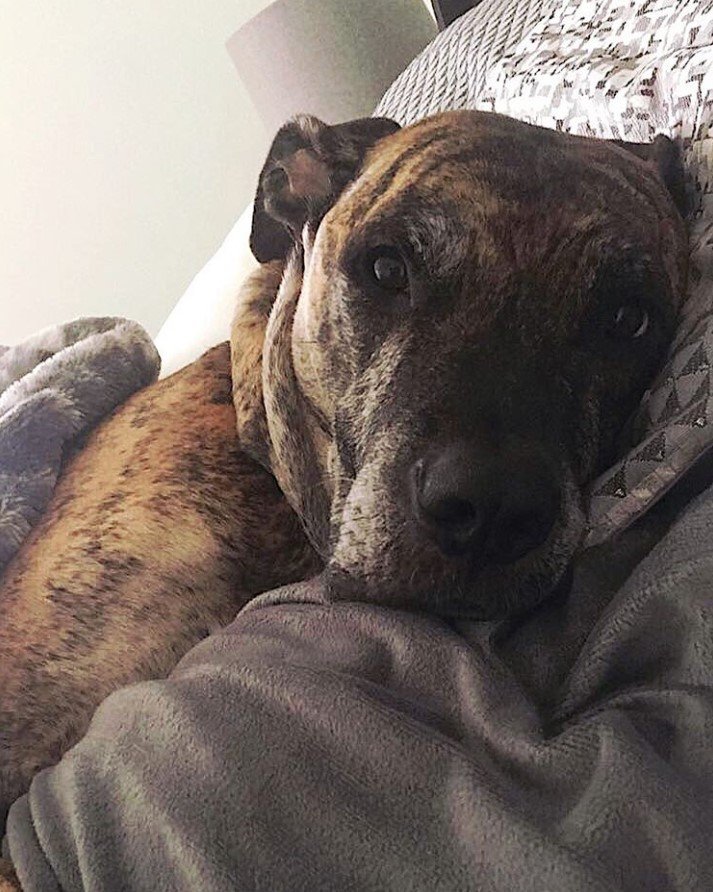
201, 318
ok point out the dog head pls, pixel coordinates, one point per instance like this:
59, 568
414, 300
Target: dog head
470, 313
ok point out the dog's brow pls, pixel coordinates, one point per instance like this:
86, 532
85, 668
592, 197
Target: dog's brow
627, 276
416, 150
438, 239
432, 234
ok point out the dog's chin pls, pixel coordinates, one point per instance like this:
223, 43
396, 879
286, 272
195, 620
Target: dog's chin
492, 594
406, 572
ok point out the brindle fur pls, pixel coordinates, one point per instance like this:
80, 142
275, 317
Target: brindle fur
523, 242
160, 529
8, 877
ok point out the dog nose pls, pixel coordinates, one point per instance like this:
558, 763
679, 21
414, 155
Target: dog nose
471, 503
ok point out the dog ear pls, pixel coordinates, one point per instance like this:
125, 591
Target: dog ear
665, 157
308, 166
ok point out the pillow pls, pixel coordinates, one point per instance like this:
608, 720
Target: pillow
201, 318
450, 73
623, 69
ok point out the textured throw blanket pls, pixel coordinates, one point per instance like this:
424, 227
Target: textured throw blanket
54, 388
316, 746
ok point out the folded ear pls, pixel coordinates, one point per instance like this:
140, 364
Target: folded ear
308, 166
665, 157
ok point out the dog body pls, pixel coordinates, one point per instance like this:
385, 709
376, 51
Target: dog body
160, 529
451, 328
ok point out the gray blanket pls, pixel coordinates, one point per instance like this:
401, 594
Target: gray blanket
317, 746
54, 387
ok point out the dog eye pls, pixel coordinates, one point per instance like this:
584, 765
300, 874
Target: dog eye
388, 269
629, 322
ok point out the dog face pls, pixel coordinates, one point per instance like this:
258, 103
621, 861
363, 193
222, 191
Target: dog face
471, 318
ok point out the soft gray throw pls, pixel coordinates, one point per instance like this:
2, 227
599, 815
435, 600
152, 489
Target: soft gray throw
316, 746
54, 387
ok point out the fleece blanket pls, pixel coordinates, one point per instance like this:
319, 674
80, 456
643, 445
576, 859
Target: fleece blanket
321, 746
54, 387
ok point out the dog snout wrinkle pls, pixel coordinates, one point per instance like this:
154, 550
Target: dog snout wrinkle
477, 506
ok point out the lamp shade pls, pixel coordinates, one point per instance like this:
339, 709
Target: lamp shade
330, 58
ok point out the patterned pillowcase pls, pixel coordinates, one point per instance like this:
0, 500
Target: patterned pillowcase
450, 73
615, 69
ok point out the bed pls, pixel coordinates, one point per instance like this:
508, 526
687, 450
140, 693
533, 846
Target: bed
570, 750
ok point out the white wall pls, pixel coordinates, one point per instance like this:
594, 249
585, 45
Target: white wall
128, 149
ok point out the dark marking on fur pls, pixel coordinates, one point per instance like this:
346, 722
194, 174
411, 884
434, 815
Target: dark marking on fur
160, 529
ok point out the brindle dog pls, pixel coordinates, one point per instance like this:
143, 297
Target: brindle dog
457, 346
451, 329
